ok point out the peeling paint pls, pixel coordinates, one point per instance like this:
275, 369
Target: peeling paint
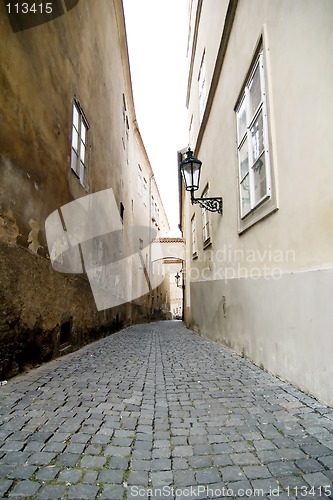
9, 230
33, 236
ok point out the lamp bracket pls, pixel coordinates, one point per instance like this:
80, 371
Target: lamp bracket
211, 204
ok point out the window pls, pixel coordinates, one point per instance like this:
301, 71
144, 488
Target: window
156, 214
139, 181
152, 209
145, 191
202, 87
122, 210
205, 221
79, 144
125, 124
252, 142
194, 238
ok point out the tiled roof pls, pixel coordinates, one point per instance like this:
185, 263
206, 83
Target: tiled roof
170, 240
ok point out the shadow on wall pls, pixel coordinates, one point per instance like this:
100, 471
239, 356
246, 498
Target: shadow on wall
45, 314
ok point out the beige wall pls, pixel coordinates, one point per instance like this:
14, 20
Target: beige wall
81, 55
276, 276
146, 199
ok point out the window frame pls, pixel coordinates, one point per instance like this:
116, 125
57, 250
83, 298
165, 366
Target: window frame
145, 191
194, 247
139, 180
206, 229
79, 167
266, 204
202, 86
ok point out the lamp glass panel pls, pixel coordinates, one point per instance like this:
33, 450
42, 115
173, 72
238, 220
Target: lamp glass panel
241, 120
191, 173
75, 139
196, 175
75, 117
187, 175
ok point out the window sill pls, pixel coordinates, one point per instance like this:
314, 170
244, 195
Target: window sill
77, 177
256, 215
207, 243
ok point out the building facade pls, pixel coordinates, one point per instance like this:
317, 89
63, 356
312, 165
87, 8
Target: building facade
69, 132
259, 277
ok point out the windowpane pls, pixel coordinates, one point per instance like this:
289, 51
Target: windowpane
259, 175
83, 132
145, 191
194, 246
245, 196
82, 152
257, 137
241, 120
243, 160
75, 139
202, 87
74, 159
75, 117
82, 172
255, 91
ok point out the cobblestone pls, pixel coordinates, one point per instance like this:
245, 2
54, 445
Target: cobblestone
158, 406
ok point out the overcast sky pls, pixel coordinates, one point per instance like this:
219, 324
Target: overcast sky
157, 37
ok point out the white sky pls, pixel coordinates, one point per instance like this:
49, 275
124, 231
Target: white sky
157, 38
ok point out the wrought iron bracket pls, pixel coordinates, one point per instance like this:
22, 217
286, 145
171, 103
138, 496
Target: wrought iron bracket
211, 204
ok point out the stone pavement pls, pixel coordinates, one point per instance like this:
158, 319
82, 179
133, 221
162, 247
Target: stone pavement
156, 411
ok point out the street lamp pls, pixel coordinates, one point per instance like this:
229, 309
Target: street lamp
190, 168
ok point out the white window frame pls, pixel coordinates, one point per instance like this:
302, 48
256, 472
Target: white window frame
79, 143
194, 237
202, 83
145, 192
247, 142
206, 232
139, 181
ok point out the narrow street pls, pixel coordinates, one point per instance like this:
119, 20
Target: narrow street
155, 406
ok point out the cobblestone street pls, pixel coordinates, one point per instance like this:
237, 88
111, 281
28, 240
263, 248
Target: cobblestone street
158, 406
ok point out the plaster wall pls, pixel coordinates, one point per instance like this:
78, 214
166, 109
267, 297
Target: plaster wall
275, 277
283, 325
207, 41
81, 55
